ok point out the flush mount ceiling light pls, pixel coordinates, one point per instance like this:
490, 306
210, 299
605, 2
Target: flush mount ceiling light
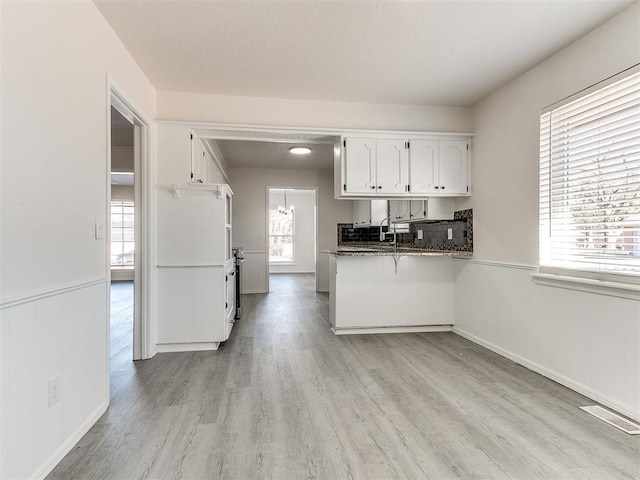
300, 150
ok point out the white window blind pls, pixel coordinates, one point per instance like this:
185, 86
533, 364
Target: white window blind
590, 180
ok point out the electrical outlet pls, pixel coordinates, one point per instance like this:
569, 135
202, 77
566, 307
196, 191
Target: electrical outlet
450, 233
54, 390
420, 235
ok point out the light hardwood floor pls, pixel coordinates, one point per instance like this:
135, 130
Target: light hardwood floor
286, 399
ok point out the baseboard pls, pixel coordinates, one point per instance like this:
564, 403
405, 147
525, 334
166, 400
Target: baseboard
186, 347
68, 445
249, 292
376, 330
322, 290
550, 374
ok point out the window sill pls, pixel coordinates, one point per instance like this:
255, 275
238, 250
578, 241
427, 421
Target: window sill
600, 287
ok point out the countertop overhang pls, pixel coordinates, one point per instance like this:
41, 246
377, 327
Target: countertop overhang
374, 252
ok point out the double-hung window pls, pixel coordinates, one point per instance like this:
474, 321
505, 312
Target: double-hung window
122, 235
281, 235
590, 182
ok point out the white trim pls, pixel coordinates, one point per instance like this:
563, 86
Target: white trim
46, 468
519, 266
556, 377
376, 330
187, 347
251, 292
600, 287
144, 277
204, 265
50, 292
218, 189
238, 129
592, 88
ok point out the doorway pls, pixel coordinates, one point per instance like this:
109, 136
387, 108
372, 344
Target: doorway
291, 237
127, 135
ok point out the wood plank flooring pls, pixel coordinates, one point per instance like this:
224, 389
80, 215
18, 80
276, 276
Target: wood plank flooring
286, 399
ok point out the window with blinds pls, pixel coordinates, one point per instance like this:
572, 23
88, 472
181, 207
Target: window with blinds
590, 180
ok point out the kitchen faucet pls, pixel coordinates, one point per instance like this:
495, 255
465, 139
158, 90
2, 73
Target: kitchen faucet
395, 236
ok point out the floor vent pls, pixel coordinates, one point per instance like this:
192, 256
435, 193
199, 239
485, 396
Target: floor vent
613, 419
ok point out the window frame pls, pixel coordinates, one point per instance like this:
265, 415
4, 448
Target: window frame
582, 276
122, 204
293, 240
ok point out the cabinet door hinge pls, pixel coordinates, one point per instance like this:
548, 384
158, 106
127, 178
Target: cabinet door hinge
226, 278
344, 187
467, 147
467, 188
344, 143
226, 305
191, 135
191, 175
408, 188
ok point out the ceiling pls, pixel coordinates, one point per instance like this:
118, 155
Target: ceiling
263, 154
437, 52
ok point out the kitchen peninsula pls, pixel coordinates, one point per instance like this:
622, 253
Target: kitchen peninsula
407, 286
386, 291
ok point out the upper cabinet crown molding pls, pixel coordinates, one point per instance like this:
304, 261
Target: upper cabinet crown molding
404, 167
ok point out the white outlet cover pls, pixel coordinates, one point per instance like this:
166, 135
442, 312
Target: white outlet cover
54, 390
420, 235
450, 233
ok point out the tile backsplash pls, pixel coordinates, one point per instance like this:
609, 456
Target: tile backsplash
434, 233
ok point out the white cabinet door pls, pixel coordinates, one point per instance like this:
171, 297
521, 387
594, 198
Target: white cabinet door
198, 161
417, 210
392, 166
360, 165
367, 213
454, 167
230, 302
399, 210
423, 167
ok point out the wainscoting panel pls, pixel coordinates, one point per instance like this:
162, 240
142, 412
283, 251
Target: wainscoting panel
61, 333
585, 341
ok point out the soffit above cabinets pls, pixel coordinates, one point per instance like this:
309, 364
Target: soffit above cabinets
253, 154
437, 52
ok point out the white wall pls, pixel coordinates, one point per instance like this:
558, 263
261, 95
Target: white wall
55, 60
249, 207
190, 107
304, 203
586, 340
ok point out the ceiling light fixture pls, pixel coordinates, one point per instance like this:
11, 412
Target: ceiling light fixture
300, 150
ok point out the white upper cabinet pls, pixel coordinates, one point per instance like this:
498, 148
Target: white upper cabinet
375, 166
399, 210
406, 167
435, 208
368, 213
360, 170
392, 163
423, 166
454, 167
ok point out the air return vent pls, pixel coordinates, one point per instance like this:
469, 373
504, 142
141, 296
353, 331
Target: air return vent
613, 419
